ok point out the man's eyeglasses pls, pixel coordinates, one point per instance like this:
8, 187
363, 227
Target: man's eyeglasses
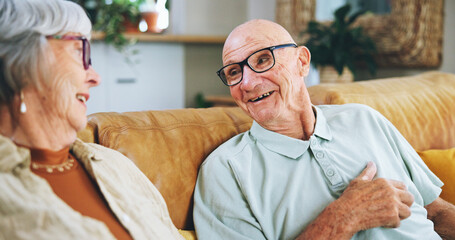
260, 61
86, 60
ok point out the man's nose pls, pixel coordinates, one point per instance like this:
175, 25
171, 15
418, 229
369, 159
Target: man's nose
250, 79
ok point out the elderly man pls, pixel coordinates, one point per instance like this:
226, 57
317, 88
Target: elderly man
309, 172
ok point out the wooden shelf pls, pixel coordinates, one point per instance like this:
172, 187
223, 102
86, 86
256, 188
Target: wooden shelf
219, 101
153, 37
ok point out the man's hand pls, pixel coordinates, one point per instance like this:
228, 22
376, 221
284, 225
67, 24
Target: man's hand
369, 203
365, 204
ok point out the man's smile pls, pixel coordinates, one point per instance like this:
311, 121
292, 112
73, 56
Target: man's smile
265, 95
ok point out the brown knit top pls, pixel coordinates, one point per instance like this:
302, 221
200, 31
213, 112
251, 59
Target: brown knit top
71, 182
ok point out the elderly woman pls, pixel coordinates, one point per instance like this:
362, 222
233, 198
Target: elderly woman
53, 186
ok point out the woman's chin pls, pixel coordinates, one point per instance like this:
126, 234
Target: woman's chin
80, 124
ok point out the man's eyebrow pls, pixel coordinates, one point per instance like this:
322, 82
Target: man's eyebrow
230, 62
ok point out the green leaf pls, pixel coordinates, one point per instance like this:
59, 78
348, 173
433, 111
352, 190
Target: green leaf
354, 16
342, 12
339, 44
350, 65
371, 64
356, 33
339, 62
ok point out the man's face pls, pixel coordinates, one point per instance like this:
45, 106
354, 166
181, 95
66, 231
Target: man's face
277, 94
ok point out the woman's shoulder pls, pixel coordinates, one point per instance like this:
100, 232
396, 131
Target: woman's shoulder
11, 155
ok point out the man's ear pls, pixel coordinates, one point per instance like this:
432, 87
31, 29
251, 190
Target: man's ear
304, 60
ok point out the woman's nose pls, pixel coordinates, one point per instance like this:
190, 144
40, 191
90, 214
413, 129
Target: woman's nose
93, 77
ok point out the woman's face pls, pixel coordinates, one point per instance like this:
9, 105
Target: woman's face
68, 90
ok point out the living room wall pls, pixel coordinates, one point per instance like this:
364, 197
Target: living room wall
448, 58
201, 61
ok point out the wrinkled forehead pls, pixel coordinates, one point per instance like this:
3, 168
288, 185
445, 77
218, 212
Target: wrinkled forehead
252, 36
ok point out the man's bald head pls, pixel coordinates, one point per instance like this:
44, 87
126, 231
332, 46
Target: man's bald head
258, 32
273, 94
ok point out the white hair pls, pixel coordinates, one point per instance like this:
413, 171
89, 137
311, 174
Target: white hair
24, 25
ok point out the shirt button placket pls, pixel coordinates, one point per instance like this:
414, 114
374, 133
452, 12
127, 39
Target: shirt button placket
327, 168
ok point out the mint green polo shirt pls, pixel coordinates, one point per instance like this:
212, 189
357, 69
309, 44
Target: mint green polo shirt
264, 185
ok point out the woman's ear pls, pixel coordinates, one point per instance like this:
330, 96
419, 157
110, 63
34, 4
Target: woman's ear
304, 60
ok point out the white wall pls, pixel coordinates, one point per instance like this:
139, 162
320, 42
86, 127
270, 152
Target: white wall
264, 9
216, 17
207, 17
448, 57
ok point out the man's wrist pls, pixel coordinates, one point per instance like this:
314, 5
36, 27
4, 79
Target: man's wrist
332, 223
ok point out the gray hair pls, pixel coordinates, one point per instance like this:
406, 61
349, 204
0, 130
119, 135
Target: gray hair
24, 25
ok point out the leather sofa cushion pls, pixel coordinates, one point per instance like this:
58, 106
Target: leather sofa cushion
168, 146
421, 107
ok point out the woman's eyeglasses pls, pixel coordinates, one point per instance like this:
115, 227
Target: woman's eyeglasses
86, 60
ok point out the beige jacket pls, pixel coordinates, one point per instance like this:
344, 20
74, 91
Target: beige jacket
29, 209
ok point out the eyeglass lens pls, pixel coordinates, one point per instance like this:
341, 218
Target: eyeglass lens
259, 62
86, 54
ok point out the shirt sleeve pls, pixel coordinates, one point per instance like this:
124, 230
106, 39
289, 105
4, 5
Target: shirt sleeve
220, 209
426, 182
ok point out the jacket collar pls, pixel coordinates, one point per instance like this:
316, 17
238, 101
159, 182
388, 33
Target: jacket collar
12, 156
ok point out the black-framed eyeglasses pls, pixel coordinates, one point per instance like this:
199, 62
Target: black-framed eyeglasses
260, 61
86, 60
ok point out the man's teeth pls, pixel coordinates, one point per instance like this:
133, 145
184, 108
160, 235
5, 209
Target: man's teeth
261, 97
81, 98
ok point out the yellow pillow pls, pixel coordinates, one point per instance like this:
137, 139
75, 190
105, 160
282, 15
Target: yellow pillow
188, 234
442, 163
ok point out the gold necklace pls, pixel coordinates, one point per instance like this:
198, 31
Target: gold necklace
59, 167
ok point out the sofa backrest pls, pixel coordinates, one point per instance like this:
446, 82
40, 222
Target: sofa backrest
169, 145
421, 107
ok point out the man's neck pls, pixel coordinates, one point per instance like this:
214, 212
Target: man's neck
300, 126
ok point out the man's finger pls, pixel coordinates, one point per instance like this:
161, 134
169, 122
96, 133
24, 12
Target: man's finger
406, 197
398, 184
369, 172
404, 211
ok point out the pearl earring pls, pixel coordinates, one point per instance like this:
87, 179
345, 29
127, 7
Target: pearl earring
23, 108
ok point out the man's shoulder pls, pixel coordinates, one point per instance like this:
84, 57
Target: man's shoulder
229, 150
352, 110
355, 107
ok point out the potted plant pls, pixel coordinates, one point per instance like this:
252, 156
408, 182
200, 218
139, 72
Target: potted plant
339, 44
115, 18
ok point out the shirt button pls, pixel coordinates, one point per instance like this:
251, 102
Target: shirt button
330, 172
313, 142
125, 218
319, 155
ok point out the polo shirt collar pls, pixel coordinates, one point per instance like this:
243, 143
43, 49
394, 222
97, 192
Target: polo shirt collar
321, 129
287, 146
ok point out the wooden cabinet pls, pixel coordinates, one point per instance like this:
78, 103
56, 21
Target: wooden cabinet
155, 79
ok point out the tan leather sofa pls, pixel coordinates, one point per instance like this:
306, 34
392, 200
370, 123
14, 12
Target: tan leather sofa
168, 146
